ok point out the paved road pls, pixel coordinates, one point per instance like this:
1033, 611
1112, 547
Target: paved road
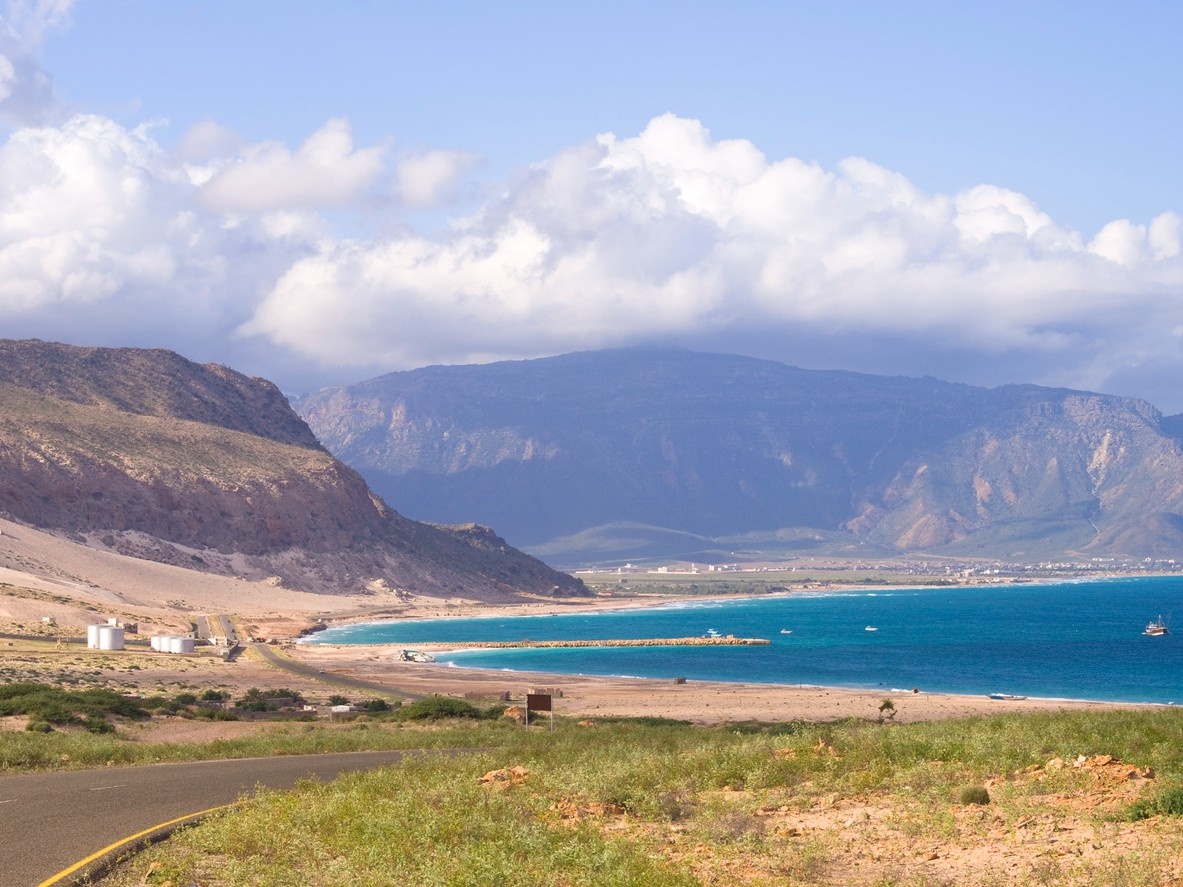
49, 821
283, 662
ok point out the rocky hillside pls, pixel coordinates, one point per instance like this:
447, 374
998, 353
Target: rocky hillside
149, 454
647, 451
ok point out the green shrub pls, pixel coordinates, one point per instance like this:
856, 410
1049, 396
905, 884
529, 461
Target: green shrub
39, 727
435, 708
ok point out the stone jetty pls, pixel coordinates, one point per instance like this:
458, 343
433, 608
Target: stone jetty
721, 641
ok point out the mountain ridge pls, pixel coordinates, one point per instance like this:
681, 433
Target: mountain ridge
721, 446
143, 452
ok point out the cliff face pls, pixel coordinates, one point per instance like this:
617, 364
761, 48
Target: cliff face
149, 454
726, 448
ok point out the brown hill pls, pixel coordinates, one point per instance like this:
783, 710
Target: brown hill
146, 453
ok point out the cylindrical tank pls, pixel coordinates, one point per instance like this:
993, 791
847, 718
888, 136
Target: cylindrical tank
110, 637
159, 643
181, 645
92, 636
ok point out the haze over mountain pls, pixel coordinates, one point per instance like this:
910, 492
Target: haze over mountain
143, 452
670, 453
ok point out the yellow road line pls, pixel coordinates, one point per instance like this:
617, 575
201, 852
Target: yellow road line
110, 848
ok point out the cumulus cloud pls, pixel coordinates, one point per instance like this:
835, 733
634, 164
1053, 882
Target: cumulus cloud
225, 249
429, 178
673, 234
103, 241
326, 170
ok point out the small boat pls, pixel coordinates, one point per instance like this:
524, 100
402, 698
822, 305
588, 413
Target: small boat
1156, 627
870, 628
786, 631
1007, 696
711, 633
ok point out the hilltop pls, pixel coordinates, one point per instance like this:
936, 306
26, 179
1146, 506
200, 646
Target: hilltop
146, 454
649, 454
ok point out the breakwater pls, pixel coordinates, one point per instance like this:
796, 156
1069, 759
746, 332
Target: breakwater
722, 641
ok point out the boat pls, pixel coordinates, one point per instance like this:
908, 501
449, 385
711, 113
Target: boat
786, 631
1008, 696
712, 633
1156, 627
870, 628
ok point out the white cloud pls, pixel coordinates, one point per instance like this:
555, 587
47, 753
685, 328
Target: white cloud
430, 178
325, 171
671, 233
103, 241
26, 90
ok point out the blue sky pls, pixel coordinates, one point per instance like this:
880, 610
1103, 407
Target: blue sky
319, 192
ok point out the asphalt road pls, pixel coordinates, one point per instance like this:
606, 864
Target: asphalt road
50, 821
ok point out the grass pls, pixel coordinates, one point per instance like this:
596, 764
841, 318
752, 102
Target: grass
627, 802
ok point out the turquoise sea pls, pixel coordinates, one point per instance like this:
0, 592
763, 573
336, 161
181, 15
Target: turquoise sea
1071, 640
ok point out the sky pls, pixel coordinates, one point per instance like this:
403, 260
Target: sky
319, 192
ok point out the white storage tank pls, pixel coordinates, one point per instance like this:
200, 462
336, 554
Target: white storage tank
181, 645
92, 636
110, 637
159, 643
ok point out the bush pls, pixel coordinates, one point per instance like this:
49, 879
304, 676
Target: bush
39, 727
435, 708
214, 696
46, 703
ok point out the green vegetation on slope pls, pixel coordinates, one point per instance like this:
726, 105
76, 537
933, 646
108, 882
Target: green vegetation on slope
663, 803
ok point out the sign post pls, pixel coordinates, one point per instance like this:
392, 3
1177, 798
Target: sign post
539, 702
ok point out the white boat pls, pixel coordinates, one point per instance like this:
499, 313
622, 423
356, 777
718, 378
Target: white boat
1156, 627
870, 628
1009, 696
786, 631
711, 633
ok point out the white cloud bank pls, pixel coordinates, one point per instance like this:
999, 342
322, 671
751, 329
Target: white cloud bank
670, 235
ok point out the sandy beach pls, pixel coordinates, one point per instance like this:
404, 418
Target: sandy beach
701, 702
43, 576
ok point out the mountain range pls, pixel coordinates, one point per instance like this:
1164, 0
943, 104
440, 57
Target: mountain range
144, 453
666, 453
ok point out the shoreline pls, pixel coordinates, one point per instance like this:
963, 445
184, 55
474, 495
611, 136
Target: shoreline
697, 701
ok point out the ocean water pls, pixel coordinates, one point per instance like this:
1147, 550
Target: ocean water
1071, 640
